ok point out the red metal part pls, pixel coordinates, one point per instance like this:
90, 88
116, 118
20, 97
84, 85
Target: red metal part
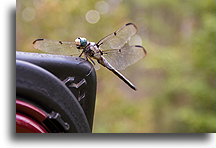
24, 124
29, 118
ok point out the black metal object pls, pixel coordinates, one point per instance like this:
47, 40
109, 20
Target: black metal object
55, 123
75, 75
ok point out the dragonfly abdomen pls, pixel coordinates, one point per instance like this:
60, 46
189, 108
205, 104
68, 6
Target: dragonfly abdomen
105, 63
122, 77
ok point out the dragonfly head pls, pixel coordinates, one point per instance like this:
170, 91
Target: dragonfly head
81, 42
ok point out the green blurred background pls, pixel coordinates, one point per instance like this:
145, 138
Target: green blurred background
176, 80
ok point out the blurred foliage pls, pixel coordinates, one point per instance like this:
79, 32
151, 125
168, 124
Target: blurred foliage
176, 81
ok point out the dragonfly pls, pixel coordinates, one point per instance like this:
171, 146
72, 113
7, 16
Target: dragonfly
113, 51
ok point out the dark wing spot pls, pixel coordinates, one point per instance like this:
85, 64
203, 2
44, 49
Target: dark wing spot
142, 48
37, 40
60, 42
115, 33
119, 50
98, 45
131, 24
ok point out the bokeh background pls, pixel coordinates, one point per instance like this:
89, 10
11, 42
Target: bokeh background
176, 80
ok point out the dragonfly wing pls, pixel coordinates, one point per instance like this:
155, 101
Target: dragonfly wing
56, 47
117, 39
124, 57
96, 65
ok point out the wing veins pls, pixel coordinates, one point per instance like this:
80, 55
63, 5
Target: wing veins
56, 47
117, 34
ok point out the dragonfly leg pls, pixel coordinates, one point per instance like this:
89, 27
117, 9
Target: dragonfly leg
91, 60
81, 53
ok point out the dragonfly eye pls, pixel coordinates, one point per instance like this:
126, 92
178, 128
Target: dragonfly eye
81, 42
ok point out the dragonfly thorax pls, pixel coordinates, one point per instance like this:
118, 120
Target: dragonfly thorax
92, 50
81, 43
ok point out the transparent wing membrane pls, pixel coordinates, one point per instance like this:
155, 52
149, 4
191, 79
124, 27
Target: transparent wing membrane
117, 39
127, 55
95, 64
56, 47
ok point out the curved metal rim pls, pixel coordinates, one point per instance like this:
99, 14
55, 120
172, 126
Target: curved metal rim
25, 124
55, 96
